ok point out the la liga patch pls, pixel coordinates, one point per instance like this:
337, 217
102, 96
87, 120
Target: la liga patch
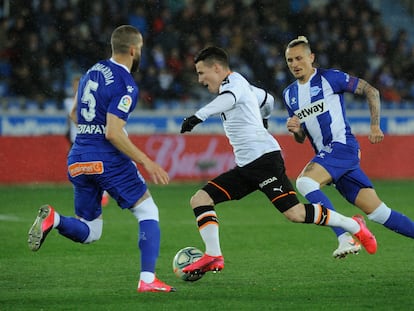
125, 103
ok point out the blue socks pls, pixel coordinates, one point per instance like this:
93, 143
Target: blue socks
73, 229
396, 222
149, 238
149, 244
400, 223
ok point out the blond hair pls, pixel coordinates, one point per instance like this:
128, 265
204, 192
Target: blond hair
300, 40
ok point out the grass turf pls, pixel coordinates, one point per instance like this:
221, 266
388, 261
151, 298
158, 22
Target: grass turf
271, 264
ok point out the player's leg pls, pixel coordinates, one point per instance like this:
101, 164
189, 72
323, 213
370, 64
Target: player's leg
358, 190
85, 228
320, 215
227, 186
281, 193
392, 220
127, 187
308, 184
207, 221
146, 212
75, 229
208, 227
327, 166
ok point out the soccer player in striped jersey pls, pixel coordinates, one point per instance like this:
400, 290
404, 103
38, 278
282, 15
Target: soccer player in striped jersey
315, 103
259, 163
104, 158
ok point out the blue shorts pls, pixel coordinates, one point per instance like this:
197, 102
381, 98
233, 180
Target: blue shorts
92, 173
343, 164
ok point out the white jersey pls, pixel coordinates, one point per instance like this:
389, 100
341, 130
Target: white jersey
266, 101
239, 108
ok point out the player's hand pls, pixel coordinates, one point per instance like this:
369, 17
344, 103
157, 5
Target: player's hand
293, 124
189, 123
156, 172
376, 135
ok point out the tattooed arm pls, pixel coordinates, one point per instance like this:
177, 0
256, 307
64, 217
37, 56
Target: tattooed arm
373, 98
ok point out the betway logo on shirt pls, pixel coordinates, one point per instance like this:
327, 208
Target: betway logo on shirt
313, 110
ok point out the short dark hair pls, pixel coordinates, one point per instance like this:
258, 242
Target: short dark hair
301, 40
123, 37
212, 54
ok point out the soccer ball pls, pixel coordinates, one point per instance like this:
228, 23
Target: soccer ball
182, 259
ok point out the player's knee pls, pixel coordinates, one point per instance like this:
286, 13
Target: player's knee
306, 185
200, 198
146, 210
95, 230
381, 214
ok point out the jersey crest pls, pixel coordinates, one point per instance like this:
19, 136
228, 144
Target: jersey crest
315, 90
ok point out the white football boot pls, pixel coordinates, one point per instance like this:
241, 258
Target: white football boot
347, 245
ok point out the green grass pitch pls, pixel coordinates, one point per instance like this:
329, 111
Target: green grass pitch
271, 264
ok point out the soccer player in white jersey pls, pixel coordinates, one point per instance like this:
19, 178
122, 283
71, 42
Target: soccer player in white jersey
259, 164
315, 103
103, 157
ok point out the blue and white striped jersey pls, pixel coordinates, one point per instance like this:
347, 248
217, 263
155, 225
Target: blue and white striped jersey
319, 104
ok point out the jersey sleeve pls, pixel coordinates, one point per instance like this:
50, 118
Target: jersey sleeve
221, 103
123, 101
266, 101
232, 84
341, 81
229, 93
121, 106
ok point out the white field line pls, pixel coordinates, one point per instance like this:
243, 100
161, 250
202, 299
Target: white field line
10, 218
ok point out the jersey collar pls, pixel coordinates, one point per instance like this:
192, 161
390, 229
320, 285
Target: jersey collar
125, 67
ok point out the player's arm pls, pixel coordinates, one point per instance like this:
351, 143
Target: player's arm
266, 103
266, 107
221, 103
116, 134
373, 98
73, 113
293, 126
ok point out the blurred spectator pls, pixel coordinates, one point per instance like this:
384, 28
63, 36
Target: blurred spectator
42, 43
138, 18
150, 86
387, 85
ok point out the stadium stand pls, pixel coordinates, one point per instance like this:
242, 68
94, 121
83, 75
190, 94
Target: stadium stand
44, 43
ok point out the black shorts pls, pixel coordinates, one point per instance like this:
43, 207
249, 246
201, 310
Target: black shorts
266, 174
